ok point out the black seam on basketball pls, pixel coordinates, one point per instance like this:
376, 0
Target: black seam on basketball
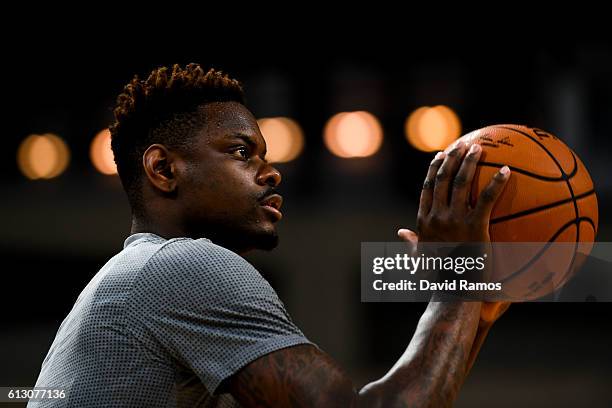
524, 172
575, 221
563, 173
569, 185
578, 221
541, 208
589, 220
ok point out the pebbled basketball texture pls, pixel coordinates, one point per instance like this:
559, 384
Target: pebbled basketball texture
550, 198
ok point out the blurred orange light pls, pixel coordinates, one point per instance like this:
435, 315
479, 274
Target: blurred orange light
432, 128
101, 154
353, 134
43, 156
284, 139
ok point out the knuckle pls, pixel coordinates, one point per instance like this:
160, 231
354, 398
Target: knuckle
460, 181
428, 184
454, 220
436, 163
454, 152
436, 220
488, 195
441, 175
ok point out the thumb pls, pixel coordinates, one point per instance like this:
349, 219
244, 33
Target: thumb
410, 237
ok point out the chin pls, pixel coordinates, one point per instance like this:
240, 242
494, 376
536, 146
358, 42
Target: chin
268, 243
264, 240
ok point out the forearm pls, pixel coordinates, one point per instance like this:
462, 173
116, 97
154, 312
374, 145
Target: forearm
490, 312
481, 335
434, 366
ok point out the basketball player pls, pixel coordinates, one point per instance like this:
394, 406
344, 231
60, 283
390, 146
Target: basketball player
179, 319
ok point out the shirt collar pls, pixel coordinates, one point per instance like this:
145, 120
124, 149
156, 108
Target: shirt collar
140, 237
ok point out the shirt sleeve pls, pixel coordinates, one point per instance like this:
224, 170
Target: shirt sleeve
210, 309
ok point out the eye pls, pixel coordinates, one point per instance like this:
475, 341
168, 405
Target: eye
241, 152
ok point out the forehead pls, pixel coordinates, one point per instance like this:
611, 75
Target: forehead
223, 118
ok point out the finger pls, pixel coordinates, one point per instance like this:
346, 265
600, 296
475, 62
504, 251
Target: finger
410, 237
445, 174
463, 180
491, 193
428, 185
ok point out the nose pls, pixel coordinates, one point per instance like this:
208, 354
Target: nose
268, 175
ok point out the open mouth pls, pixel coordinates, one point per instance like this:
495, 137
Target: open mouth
275, 201
273, 204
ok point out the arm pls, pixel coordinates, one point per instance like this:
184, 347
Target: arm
490, 312
428, 374
435, 363
433, 367
447, 216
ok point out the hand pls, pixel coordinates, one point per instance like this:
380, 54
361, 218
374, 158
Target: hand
411, 238
445, 214
489, 311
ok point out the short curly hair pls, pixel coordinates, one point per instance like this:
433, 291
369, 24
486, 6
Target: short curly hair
163, 109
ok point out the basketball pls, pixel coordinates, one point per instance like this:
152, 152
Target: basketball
550, 198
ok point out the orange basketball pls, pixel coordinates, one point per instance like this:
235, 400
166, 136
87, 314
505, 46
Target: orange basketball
549, 198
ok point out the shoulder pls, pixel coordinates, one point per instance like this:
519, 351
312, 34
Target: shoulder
191, 282
198, 266
196, 252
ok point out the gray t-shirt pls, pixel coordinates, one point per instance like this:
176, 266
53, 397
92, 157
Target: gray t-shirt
162, 324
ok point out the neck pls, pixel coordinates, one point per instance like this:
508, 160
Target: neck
164, 231
173, 230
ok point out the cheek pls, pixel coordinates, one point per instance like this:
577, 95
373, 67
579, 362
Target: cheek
235, 181
228, 185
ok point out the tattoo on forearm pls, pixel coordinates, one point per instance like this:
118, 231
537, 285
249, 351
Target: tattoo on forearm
429, 374
434, 366
271, 381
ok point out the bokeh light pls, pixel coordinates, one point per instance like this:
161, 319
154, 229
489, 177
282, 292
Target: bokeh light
432, 128
43, 156
101, 154
353, 134
284, 138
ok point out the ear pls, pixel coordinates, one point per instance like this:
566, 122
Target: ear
160, 167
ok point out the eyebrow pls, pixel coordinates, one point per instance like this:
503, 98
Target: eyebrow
249, 140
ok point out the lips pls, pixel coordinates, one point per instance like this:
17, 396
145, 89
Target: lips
272, 204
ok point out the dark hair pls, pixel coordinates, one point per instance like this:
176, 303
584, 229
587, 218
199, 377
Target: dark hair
163, 109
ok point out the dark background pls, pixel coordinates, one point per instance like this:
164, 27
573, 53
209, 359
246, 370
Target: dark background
57, 233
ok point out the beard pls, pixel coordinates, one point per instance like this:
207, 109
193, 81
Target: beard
243, 237
266, 242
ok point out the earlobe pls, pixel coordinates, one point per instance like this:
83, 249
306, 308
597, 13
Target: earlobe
159, 167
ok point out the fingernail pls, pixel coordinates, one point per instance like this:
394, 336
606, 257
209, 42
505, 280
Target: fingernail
475, 148
399, 231
505, 170
438, 156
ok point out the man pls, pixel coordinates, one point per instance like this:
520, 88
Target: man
179, 318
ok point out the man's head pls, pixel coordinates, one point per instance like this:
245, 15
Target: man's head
191, 158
